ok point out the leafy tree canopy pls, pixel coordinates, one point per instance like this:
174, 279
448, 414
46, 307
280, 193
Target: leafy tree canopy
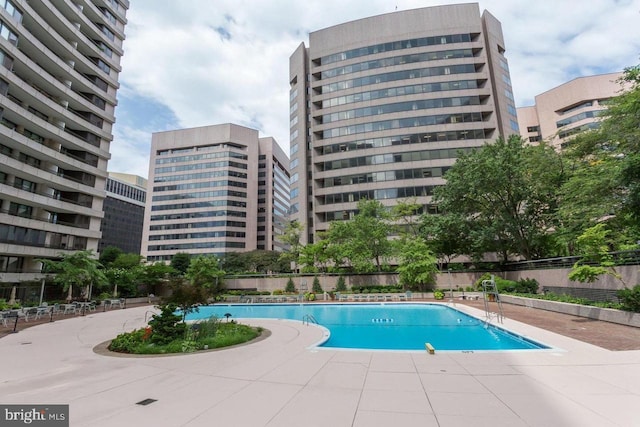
500, 196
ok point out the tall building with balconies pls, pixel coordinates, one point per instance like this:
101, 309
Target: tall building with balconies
565, 110
213, 190
60, 62
380, 108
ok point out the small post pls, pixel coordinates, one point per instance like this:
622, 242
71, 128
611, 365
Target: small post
15, 325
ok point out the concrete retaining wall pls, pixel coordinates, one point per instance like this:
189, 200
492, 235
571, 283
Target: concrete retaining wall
596, 313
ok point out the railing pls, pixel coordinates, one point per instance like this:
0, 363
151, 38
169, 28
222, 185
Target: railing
619, 258
308, 319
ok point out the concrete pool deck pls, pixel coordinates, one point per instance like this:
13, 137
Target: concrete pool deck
284, 381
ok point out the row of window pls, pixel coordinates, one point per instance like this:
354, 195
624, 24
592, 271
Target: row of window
399, 75
380, 159
203, 156
393, 175
201, 175
397, 60
349, 214
201, 245
392, 46
398, 107
196, 185
416, 138
125, 190
205, 235
195, 205
206, 224
381, 194
576, 107
213, 165
400, 91
578, 117
193, 215
433, 120
201, 195
573, 131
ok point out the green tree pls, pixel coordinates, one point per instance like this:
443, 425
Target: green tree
166, 326
508, 209
153, 275
595, 246
341, 285
204, 272
406, 214
315, 257
604, 184
417, 264
363, 240
109, 255
234, 263
291, 237
290, 287
262, 261
316, 287
76, 269
448, 236
180, 262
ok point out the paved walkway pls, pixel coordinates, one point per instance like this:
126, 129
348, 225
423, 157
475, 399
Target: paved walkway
284, 381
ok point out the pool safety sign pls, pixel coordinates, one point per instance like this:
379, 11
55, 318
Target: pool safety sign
34, 415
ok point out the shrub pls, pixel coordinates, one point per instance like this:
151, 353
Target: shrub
505, 286
340, 285
166, 326
527, 286
291, 287
278, 292
438, 294
128, 342
316, 287
478, 283
630, 298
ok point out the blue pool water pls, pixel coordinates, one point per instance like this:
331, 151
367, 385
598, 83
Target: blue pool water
385, 326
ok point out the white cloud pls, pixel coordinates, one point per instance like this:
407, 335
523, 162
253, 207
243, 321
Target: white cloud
228, 60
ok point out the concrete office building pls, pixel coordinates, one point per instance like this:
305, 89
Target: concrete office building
60, 62
273, 195
568, 109
210, 193
379, 107
123, 212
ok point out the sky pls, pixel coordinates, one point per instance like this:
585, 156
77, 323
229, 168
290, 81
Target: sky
202, 62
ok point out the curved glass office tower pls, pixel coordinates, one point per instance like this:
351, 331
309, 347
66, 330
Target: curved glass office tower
380, 107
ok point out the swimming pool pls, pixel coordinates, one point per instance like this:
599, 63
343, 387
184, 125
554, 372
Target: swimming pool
385, 326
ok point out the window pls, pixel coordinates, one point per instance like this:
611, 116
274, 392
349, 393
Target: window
11, 10
533, 129
7, 34
107, 32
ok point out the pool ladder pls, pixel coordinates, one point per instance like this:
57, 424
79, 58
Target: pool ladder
490, 294
308, 319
